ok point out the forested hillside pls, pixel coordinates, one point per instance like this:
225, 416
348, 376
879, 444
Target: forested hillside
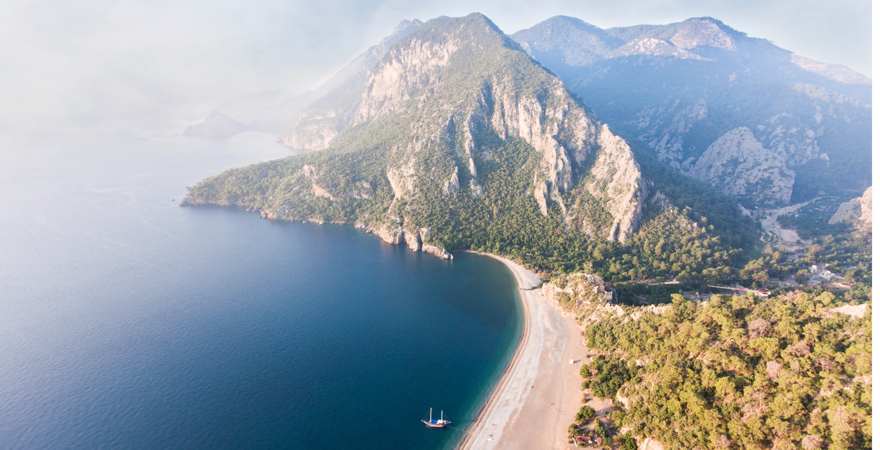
734, 372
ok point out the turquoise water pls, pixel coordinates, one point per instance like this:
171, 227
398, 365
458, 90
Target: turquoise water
129, 322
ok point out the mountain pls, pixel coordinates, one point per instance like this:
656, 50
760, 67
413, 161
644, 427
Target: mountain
456, 138
332, 105
751, 119
216, 126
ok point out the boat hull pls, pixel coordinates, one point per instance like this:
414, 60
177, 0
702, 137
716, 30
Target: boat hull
435, 425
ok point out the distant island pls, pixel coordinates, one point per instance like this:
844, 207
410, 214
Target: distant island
697, 199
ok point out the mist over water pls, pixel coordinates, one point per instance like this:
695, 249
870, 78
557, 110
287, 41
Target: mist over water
127, 321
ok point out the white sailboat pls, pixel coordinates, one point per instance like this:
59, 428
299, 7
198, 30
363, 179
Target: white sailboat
430, 422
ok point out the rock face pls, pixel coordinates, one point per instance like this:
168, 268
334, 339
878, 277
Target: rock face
508, 97
449, 103
856, 212
416, 240
677, 89
585, 295
865, 203
739, 165
335, 101
616, 181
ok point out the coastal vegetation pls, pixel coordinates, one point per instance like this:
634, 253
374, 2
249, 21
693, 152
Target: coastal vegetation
673, 243
737, 372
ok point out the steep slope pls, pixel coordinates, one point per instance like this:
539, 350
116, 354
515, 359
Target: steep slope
673, 91
335, 100
458, 139
737, 164
856, 212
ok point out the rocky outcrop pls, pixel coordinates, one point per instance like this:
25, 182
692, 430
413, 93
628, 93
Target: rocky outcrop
590, 299
416, 240
856, 212
700, 32
651, 46
615, 179
650, 444
583, 294
865, 202
403, 75
738, 164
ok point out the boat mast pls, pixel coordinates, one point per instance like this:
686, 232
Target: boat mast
441, 415
430, 414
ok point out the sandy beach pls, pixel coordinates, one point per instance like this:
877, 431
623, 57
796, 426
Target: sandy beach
539, 393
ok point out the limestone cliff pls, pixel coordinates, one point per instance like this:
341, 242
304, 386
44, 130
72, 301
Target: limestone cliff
507, 96
448, 107
856, 212
738, 164
335, 100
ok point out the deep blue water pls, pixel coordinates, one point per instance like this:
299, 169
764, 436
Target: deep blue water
129, 322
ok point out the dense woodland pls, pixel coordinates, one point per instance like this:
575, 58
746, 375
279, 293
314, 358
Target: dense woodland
680, 243
735, 372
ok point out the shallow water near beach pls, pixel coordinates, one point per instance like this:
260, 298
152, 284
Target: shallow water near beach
127, 321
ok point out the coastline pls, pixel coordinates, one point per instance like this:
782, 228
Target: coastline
538, 393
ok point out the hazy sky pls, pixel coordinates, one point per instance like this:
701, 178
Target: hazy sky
160, 63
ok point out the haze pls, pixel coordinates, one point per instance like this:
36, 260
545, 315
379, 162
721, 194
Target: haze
110, 64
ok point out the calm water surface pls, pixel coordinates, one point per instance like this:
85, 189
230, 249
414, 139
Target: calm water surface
129, 322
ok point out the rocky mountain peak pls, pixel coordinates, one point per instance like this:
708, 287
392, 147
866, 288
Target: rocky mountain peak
568, 23
566, 43
457, 79
703, 32
562, 41
474, 27
425, 58
405, 25
680, 88
442, 112
689, 34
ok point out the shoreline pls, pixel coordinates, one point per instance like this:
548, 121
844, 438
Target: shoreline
538, 393
469, 435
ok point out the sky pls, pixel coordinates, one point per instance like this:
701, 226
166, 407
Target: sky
162, 63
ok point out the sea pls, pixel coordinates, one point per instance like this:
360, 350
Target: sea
129, 322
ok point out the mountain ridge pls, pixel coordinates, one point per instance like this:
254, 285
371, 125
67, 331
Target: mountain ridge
715, 80
440, 116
